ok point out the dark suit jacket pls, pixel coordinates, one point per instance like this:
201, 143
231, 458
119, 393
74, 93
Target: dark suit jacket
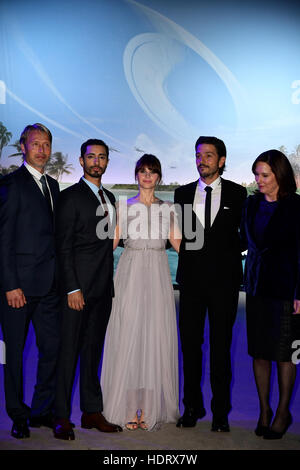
273, 269
85, 261
219, 259
27, 243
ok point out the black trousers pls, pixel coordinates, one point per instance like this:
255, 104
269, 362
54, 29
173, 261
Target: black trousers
221, 304
44, 314
82, 335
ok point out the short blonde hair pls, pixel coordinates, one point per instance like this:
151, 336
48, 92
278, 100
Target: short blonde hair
34, 127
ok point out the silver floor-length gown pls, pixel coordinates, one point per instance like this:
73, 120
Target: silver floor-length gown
140, 364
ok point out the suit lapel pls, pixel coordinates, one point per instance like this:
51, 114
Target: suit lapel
88, 192
108, 194
224, 194
272, 227
251, 211
224, 202
54, 190
33, 188
190, 193
189, 199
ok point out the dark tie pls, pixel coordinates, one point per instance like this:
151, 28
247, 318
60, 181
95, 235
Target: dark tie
208, 190
46, 191
104, 205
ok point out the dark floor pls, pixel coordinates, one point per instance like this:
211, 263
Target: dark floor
242, 418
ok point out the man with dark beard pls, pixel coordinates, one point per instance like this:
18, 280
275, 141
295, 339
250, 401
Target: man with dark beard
86, 266
209, 278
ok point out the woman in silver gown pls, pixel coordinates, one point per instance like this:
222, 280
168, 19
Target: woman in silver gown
139, 376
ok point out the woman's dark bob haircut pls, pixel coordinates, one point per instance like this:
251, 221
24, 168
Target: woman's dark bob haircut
282, 170
148, 161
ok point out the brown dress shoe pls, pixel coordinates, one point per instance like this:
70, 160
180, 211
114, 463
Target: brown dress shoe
63, 429
97, 420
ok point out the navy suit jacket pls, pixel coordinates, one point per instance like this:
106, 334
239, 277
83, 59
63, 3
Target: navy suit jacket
27, 243
219, 260
273, 269
85, 261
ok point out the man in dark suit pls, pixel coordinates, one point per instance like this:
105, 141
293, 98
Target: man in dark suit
85, 248
209, 275
28, 200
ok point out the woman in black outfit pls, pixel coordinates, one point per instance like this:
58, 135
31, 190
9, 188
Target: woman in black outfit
271, 229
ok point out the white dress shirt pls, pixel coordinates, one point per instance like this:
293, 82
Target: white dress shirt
37, 176
199, 200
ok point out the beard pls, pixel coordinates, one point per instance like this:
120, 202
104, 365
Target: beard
205, 171
95, 171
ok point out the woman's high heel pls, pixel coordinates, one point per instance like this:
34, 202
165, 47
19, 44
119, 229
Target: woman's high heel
260, 428
270, 434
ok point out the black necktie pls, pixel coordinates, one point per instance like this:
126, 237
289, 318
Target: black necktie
208, 190
104, 205
46, 191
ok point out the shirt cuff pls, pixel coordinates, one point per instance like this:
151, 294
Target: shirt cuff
77, 290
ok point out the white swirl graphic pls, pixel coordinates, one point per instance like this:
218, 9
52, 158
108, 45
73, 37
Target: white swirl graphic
148, 60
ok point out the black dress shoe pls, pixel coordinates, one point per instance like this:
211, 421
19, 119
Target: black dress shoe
63, 429
220, 425
20, 430
190, 417
270, 434
260, 428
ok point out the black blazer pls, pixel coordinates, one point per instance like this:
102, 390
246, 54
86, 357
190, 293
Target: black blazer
273, 269
220, 257
85, 261
27, 243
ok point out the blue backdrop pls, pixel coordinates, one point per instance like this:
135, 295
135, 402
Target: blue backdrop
151, 76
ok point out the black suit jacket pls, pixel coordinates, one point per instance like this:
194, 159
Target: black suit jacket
219, 260
85, 261
273, 269
27, 243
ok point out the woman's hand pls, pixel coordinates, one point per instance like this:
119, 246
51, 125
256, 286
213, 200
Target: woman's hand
296, 307
116, 237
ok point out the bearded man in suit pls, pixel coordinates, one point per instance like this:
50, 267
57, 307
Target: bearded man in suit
86, 267
28, 199
209, 275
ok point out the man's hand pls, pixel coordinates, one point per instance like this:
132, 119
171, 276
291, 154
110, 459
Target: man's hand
76, 300
15, 298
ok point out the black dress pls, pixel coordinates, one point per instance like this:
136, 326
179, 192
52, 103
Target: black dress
271, 325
